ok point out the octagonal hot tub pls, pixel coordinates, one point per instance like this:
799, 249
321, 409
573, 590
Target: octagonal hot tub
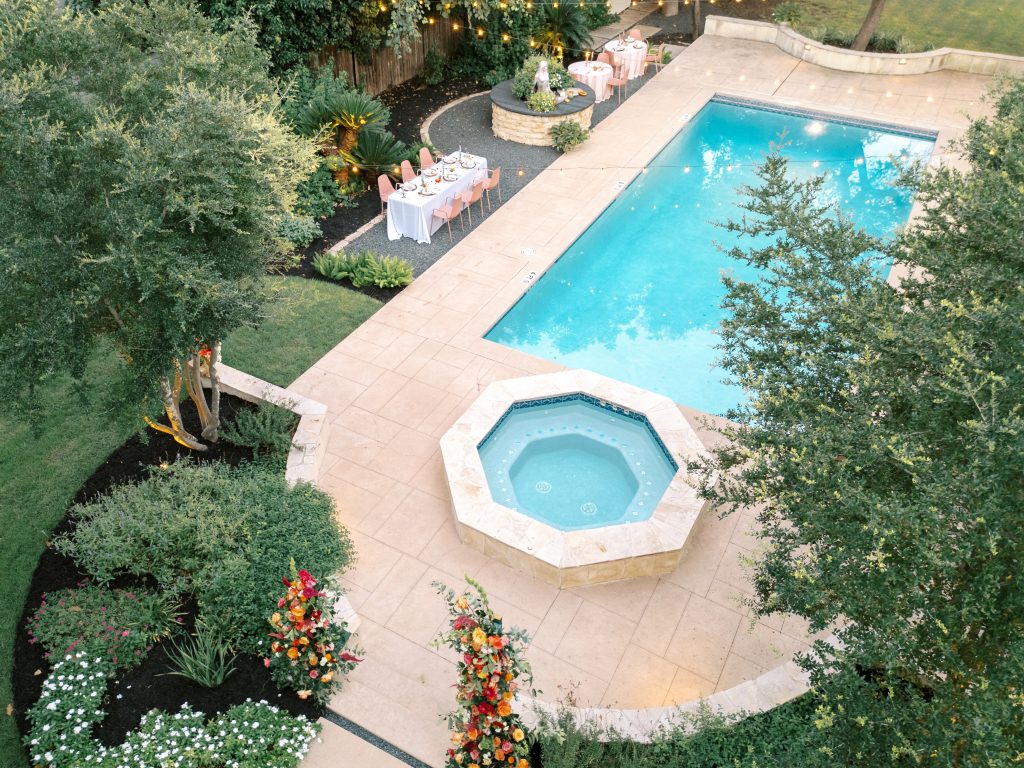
573, 477
575, 462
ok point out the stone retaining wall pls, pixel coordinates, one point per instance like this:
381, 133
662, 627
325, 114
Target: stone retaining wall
846, 60
533, 129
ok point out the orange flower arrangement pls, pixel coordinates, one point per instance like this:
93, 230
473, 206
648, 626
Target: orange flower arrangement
486, 731
305, 646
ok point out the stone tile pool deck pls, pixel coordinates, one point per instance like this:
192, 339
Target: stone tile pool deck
397, 383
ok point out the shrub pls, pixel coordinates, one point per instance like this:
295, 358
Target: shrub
558, 77
364, 268
213, 531
433, 66
306, 651
205, 659
318, 194
542, 101
377, 151
881, 42
267, 430
567, 135
115, 624
597, 14
250, 735
787, 13
299, 230
493, 58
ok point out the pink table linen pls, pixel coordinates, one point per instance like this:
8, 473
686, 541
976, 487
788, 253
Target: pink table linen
631, 57
595, 75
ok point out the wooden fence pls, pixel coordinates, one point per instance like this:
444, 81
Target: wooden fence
388, 67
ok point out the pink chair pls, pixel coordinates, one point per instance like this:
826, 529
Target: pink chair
620, 82
474, 195
636, 35
426, 161
408, 174
493, 181
448, 212
655, 57
606, 58
386, 189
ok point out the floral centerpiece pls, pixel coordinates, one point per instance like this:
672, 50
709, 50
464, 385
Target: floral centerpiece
485, 729
306, 646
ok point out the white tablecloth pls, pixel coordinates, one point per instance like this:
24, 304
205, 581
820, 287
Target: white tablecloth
410, 214
632, 58
595, 74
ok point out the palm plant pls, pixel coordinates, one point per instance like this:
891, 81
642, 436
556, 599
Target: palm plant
377, 150
563, 26
343, 114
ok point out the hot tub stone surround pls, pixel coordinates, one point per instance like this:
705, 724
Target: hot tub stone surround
571, 558
512, 120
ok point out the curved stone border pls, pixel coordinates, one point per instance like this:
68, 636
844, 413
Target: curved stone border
425, 128
769, 690
813, 52
571, 558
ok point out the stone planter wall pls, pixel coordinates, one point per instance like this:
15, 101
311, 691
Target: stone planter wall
512, 120
846, 60
533, 129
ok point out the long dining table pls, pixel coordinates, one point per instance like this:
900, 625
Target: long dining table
410, 209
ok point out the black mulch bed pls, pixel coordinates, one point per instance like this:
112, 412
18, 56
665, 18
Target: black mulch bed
147, 686
411, 103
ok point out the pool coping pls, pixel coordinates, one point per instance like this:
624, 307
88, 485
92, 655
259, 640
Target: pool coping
577, 557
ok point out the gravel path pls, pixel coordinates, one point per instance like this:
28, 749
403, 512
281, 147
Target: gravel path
468, 125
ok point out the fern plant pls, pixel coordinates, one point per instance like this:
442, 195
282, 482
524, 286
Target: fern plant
364, 269
392, 272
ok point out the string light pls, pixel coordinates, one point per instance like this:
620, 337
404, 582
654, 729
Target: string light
479, 31
505, 37
430, 20
455, 26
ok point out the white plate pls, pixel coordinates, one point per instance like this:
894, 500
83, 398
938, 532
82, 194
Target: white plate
426, 192
409, 187
468, 164
620, 47
639, 45
430, 172
450, 159
450, 177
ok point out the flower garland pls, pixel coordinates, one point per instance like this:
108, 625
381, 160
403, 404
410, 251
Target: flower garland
485, 729
303, 653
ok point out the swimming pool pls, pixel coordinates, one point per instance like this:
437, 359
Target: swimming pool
637, 296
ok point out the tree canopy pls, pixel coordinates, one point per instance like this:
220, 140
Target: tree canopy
883, 447
146, 172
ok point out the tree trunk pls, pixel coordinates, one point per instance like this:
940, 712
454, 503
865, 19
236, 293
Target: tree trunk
214, 375
177, 430
671, 8
867, 29
348, 141
696, 19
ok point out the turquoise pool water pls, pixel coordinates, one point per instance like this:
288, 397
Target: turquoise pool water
637, 296
574, 463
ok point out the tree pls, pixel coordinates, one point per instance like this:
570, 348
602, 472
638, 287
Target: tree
883, 445
867, 29
151, 173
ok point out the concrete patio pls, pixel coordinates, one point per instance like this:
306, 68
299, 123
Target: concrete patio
396, 384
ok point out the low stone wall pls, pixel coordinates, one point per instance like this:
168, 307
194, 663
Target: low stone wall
512, 120
532, 129
812, 51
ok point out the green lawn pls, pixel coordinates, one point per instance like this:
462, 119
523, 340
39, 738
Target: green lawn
40, 473
978, 25
306, 321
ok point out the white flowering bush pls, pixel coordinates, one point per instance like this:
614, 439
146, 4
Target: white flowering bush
250, 735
